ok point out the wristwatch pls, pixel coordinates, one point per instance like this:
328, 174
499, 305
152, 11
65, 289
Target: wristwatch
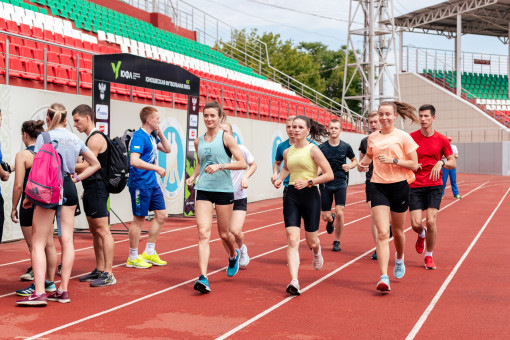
222, 166
395, 161
310, 183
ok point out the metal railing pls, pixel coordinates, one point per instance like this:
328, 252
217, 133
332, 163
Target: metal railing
247, 50
258, 98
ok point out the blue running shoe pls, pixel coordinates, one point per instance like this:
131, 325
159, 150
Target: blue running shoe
384, 284
202, 285
49, 286
233, 265
400, 268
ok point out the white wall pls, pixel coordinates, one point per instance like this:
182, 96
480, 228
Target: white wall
260, 137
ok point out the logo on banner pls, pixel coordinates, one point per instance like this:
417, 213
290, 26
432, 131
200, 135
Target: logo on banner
277, 139
102, 89
123, 73
174, 161
194, 101
102, 127
101, 111
238, 136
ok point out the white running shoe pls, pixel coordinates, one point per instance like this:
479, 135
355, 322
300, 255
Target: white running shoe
244, 259
318, 260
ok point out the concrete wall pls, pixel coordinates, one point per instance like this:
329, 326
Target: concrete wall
19, 104
454, 116
484, 158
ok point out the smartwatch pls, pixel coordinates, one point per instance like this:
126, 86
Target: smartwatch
444, 163
222, 166
310, 183
395, 161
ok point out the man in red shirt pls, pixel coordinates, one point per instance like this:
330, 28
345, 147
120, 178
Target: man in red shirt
426, 191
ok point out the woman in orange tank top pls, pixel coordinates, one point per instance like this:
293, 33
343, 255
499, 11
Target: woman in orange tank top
394, 157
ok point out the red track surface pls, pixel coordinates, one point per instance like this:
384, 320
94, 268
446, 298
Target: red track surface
339, 301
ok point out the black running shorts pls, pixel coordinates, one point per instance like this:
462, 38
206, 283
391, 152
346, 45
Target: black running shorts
240, 204
425, 197
95, 199
393, 195
327, 198
305, 204
218, 198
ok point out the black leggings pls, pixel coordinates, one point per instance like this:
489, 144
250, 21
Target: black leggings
2, 217
304, 203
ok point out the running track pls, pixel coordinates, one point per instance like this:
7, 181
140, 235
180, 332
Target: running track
466, 297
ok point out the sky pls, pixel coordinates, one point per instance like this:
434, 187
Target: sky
329, 21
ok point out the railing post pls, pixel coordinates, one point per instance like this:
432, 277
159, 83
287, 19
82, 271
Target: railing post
131, 94
278, 111
207, 93
221, 104
7, 61
259, 106
269, 109
77, 74
247, 105
173, 100
45, 63
153, 97
235, 102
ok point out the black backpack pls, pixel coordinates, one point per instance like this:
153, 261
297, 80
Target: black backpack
117, 168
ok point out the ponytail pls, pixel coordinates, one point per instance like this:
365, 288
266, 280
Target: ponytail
318, 132
57, 113
404, 110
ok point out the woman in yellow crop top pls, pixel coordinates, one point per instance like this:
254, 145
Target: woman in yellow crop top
394, 157
302, 200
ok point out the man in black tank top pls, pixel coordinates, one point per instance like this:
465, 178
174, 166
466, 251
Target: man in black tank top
95, 198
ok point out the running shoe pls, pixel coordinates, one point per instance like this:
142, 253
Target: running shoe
154, 259
293, 288
138, 263
336, 246
244, 259
49, 286
457, 197
28, 276
62, 297
104, 280
94, 275
330, 226
400, 268
374, 255
429, 263
233, 265
202, 285
420, 243
59, 269
384, 284
318, 260
33, 300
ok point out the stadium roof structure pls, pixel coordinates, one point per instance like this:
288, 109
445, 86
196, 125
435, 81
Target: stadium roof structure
480, 17
454, 18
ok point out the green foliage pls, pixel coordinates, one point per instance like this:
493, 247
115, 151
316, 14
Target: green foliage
311, 63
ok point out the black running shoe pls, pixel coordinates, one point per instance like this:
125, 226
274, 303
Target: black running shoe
336, 246
374, 255
59, 269
92, 276
293, 288
330, 227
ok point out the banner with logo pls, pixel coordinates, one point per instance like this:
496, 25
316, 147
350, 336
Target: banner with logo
191, 162
133, 70
101, 105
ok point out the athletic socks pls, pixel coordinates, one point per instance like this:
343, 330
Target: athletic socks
399, 260
133, 254
428, 253
318, 253
423, 233
150, 248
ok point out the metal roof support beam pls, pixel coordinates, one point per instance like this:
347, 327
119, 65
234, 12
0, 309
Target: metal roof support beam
508, 59
444, 12
458, 55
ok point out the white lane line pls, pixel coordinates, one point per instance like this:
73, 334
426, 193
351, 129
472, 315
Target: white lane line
143, 236
161, 291
281, 303
446, 282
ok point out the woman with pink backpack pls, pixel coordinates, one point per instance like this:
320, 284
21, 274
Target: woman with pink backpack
69, 147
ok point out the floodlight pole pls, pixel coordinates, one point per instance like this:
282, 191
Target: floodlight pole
371, 65
508, 60
458, 55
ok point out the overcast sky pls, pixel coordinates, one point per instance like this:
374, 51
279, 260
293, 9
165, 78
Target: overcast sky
333, 31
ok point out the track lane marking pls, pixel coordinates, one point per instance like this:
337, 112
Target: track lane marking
313, 284
433, 302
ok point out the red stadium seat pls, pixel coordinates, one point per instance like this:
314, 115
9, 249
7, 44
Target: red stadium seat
24, 29
85, 80
37, 32
16, 68
12, 26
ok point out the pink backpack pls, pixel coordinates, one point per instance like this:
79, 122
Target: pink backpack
45, 186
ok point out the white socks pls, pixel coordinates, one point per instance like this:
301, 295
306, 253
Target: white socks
428, 253
133, 253
318, 253
423, 233
150, 248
